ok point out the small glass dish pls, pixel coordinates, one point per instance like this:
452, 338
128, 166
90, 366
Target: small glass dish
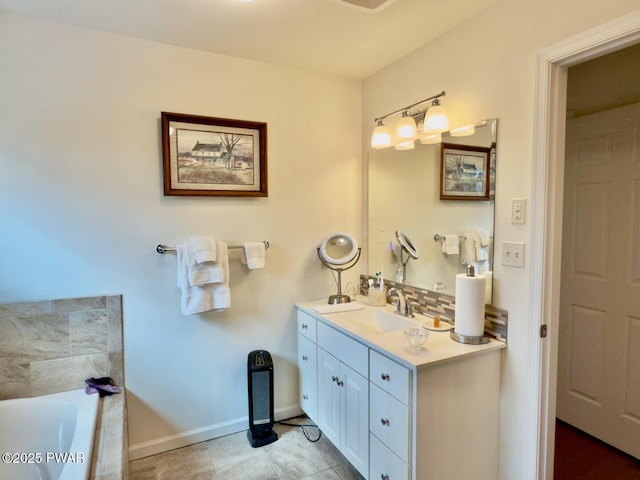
415, 337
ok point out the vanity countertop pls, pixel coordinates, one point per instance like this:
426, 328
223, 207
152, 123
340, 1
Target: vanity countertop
438, 348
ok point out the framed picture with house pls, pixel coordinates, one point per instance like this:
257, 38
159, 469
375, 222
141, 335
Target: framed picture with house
209, 156
464, 172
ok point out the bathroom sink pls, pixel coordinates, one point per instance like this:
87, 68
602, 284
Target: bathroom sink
378, 320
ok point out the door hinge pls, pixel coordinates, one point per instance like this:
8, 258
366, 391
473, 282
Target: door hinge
543, 330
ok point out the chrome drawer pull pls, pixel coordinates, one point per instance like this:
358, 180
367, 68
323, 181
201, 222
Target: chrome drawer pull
304, 326
305, 397
305, 358
334, 379
384, 476
384, 421
340, 383
385, 376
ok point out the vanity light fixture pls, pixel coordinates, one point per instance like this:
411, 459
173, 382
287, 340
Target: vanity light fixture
465, 131
435, 121
407, 129
381, 137
429, 139
408, 145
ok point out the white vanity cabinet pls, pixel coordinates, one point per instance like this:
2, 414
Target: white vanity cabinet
398, 414
343, 395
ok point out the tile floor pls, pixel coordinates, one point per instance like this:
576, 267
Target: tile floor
291, 457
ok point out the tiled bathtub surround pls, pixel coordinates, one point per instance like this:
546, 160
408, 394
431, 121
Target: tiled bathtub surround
52, 346
430, 303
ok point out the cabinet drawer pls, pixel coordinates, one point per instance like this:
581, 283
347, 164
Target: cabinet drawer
307, 357
345, 349
390, 421
391, 377
384, 464
309, 397
307, 325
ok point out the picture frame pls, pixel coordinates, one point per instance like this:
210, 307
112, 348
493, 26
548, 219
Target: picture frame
464, 172
210, 156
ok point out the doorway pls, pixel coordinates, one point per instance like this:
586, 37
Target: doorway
599, 322
546, 225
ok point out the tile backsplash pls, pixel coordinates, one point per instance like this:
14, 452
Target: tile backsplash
51, 346
430, 303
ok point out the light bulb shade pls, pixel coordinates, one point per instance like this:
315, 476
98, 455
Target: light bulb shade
408, 145
406, 129
436, 120
432, 138
465, 131
381, 137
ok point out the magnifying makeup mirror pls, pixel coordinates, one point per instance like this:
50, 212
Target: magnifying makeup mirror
339, 252
406, 246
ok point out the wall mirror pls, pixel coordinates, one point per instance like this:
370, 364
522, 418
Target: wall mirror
404, 194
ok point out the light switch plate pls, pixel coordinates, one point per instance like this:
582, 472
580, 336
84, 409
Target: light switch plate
513, 254
518, 207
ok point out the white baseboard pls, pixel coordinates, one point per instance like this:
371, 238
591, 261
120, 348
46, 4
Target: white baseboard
202, 434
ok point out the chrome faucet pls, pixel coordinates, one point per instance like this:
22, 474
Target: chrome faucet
402, 307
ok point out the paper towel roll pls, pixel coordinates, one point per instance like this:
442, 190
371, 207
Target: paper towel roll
470, 294
488, 297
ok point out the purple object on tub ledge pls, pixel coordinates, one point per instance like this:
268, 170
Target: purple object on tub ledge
103, 386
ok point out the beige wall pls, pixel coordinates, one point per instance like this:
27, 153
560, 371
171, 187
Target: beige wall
487, 67
82, 209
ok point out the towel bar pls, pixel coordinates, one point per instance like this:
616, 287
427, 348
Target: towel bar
164, 249
438, 237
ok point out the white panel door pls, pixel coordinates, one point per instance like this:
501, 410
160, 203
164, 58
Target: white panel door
599, 344
329, 398
355, 444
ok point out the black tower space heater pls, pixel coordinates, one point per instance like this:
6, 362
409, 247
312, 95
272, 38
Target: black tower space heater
260, 380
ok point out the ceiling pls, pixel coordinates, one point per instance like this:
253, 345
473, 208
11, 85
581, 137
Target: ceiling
331, 36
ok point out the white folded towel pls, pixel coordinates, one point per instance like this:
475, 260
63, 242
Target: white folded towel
473, 251
484, 236
253, 254
339, 307
208, 272
203, 298
480, 244
204, 248
451, 244
468, 256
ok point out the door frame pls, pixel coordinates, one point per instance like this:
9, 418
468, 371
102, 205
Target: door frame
546, 229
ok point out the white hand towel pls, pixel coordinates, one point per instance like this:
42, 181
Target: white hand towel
484, 236
253, 254
480, 245
204, 248
450, 244
208, 272
339, 307
468, 256
211, 296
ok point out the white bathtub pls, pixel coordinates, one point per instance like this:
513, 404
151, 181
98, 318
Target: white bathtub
48, 437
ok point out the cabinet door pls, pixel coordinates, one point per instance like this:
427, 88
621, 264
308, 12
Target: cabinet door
355, 437
307, 325
390, 420
309, 397
329, 398
307, 356
386, 465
